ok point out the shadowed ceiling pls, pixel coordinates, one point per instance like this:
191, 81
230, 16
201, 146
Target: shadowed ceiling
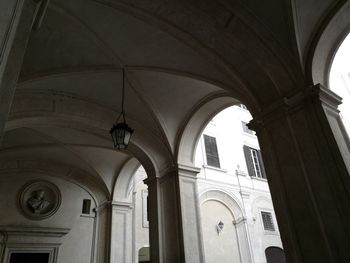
178, 55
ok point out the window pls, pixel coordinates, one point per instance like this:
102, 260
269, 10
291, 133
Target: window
246, 129
267, 221
86, 206
211, 151
254, 162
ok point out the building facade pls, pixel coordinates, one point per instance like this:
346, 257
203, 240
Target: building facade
238, 223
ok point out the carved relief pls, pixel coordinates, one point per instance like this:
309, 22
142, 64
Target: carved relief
39, 199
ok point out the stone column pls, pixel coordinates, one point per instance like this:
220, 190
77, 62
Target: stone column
121, 233
103, 236
17, 20
175, 227
306, 156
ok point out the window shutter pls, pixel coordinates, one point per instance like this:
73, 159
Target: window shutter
263, 173
211, 151
267, 221
249, 161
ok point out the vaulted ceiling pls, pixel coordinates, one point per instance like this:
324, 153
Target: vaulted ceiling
178, 56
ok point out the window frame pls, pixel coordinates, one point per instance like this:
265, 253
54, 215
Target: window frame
256, 163
255, 166
273, 229
216, 152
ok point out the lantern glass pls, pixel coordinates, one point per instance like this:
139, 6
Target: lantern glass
121, 134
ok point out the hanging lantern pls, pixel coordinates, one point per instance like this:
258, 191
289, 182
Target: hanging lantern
120, 131
121, 134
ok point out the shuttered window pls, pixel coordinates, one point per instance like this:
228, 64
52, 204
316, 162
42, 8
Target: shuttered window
211, 151
267, 221
254, 162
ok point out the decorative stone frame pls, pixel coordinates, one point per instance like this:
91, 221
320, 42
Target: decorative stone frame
51, 249
33, 186
30, 240
239, 219
274, 221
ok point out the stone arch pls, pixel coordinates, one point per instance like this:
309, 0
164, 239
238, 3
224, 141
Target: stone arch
196, 123
226, 199
123, 184
333, 30
239, 246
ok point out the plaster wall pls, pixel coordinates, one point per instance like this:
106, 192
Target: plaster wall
78, 244
223, 246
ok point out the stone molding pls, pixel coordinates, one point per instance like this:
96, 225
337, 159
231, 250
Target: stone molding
316, 94
181, 170
239, 220
121, 205
34, 231
31, 239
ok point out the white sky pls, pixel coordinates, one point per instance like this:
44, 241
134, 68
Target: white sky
339, 80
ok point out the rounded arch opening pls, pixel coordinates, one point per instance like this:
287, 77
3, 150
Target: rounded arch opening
339, 79
196, 124
221, 221
275, 255
326, 44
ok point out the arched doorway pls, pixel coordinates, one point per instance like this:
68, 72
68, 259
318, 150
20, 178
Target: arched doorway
275, 255
144, 255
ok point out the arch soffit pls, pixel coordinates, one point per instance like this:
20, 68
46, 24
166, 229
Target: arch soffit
88, 182
327, 39
193, 128
124, 181
231, 202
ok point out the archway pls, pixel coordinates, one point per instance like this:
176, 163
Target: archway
144, 255
275, 255
224, 235
339, 79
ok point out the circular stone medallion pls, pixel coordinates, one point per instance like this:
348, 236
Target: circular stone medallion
39, 199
